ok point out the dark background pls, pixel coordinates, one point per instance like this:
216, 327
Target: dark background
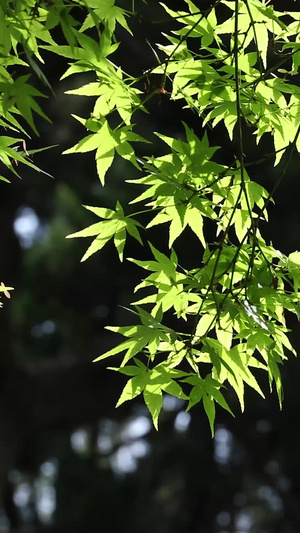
70, 462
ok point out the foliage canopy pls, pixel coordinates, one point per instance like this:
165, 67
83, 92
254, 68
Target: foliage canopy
232, 63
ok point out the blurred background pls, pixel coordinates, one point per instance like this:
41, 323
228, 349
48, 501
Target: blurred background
70, 461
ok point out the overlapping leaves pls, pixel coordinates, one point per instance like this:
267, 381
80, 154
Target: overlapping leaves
229, 309
233, 302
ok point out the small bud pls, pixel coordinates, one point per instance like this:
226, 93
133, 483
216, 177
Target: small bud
7, 294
